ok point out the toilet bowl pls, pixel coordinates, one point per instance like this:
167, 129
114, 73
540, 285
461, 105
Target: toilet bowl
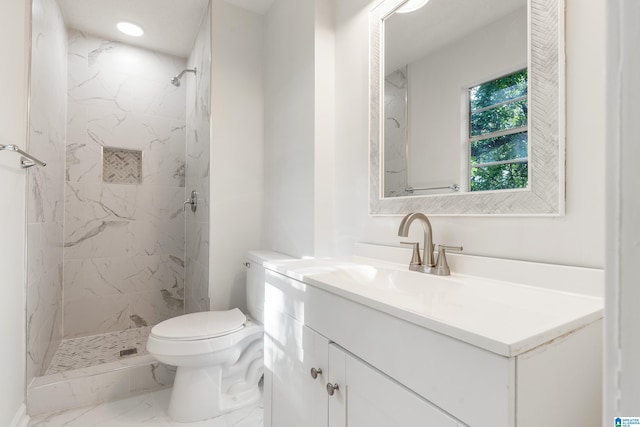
218, 354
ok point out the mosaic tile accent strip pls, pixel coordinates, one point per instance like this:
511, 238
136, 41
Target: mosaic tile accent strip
83, 352
121, 166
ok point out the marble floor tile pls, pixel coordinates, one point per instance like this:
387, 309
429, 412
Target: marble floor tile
83, 352
143, 410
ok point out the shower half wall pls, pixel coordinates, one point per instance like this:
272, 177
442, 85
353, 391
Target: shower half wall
45, 187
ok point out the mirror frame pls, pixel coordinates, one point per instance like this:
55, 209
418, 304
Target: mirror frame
545, 195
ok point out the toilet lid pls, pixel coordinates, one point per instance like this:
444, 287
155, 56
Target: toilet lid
207, 324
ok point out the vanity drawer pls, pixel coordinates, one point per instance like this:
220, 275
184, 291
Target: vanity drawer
474, 384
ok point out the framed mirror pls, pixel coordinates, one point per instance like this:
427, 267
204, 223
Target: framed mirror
467, 107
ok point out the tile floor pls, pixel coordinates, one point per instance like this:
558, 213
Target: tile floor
143, 410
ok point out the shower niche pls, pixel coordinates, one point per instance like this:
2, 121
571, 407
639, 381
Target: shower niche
110, 251
121, 166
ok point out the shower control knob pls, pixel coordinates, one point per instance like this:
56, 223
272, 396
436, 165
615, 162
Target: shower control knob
315, 372
193, 201
332, 388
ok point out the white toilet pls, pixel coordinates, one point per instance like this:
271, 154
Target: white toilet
219, 354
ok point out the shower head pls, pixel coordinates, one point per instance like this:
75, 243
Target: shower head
176, 80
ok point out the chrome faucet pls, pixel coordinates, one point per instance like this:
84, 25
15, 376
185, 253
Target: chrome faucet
427, 263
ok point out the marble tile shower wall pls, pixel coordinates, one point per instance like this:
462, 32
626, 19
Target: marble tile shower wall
197, 173
124, 244
395, 134
45, 185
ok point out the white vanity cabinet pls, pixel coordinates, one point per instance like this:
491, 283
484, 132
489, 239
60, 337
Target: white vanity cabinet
291, 397
363, 396
367, 397
391, 371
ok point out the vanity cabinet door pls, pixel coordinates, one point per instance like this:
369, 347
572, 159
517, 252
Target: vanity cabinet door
316, 357
367, 398
292, 397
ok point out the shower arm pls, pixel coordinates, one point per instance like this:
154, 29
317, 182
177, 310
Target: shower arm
176, 80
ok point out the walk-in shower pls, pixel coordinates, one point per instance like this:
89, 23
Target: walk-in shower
176, 80
110, 253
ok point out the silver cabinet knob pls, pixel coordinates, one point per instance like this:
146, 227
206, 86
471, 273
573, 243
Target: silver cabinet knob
332, 388
315, 372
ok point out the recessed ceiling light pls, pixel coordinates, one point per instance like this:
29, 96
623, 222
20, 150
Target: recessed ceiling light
130, 29
411, 6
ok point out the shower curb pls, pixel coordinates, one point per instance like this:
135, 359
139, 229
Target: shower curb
97, 384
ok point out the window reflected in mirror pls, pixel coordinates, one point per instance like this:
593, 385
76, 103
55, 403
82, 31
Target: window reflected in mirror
451, 114
498, 133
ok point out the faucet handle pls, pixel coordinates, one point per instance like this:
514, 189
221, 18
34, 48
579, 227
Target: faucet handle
415, 256
449, 248
442, 266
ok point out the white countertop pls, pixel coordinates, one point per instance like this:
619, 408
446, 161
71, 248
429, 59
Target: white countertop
502, 317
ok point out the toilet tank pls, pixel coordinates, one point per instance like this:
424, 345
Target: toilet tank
255, 280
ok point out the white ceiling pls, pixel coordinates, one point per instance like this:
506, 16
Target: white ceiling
170, 26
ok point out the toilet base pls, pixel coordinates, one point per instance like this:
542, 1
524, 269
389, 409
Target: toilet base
215, 375
197, 395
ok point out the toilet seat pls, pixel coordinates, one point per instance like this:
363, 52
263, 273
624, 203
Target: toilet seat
200, 326
195, 348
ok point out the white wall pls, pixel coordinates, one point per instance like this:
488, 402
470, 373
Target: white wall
575, 239
236, 150
299, 127
289, 127
622, 370
13, 126
324, 126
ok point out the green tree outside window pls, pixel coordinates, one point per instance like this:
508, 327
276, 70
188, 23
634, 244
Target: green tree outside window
498, 134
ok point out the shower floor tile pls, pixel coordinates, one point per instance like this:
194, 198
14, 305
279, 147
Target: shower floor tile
84, 352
